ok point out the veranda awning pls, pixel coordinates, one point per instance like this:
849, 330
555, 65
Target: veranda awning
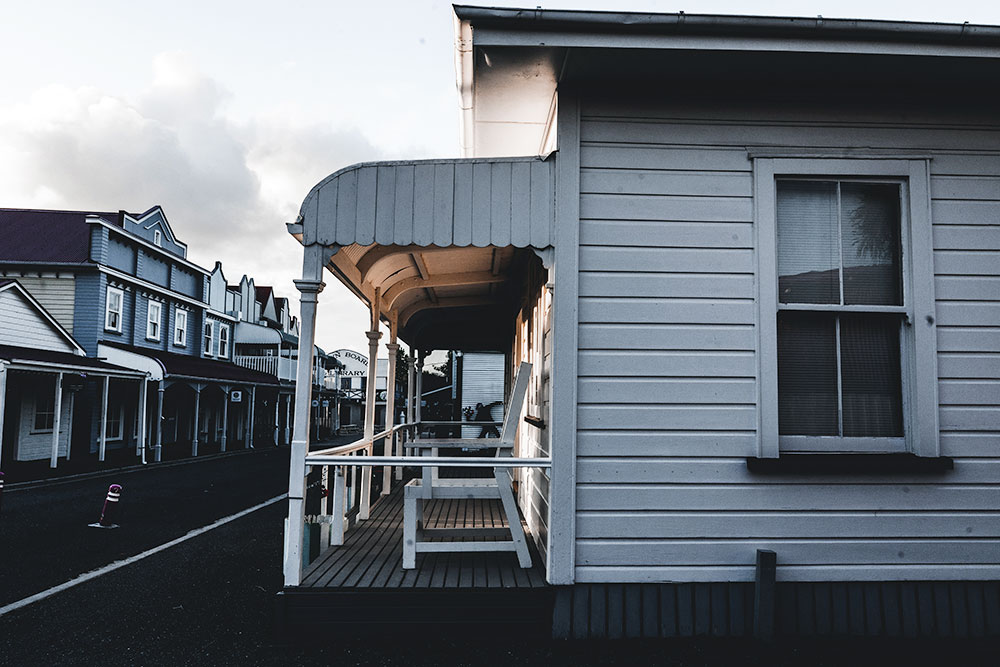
435, 240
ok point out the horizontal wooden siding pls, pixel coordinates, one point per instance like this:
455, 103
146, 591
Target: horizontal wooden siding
667, 407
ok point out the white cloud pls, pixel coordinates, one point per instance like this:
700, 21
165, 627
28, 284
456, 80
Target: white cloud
227, 187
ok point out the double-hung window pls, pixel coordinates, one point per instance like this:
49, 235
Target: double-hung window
180, 327
847, 342
224, 341
113, 309
115, 423
154, 317
209, 341
45, 413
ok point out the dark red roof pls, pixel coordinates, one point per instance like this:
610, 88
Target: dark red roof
57, 237
197, 367
262, 293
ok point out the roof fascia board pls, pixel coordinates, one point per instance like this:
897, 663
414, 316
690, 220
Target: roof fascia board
19, 364
779, 27
51, 320
146, 244
36, 267
221, 381
491, 37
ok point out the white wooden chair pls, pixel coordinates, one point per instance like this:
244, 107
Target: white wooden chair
429, 487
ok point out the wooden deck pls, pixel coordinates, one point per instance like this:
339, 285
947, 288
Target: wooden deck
362, 584
372, 555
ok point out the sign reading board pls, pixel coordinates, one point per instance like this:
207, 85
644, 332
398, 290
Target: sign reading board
355, 364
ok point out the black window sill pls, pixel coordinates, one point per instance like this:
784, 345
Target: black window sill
851, 464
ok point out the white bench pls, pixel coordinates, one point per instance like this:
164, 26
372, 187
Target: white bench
429, 487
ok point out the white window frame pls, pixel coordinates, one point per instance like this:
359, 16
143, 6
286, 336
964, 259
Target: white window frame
108, 312
35, 412
154, 325
157, 238
223, 341
208, 341
119, 434
918, 339
180, 327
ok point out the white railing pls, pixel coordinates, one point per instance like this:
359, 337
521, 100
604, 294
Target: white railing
348, 492
282, 367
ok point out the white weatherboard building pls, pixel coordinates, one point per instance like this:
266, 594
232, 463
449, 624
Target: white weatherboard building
755, 264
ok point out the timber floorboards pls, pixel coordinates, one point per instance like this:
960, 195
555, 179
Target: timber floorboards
372, 554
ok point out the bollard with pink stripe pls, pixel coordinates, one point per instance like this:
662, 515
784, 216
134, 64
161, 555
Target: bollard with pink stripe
110, 511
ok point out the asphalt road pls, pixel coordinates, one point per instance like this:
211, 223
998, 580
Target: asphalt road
208, 600
44, 531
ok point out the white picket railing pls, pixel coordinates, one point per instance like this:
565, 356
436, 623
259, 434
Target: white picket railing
282, 367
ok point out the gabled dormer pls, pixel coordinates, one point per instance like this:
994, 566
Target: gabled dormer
152, 226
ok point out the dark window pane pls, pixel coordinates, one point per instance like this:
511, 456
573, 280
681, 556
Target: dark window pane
870, 375
870, 227
807, 374
808, 242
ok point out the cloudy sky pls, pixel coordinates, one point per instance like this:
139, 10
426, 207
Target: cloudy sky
226, 113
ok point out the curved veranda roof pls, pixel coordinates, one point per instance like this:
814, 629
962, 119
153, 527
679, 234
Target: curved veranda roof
434, 242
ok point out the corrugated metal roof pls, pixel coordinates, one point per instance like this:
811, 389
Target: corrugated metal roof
463, 202
195, 367
255, 334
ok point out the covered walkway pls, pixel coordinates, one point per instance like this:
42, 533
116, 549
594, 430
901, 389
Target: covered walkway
448, 255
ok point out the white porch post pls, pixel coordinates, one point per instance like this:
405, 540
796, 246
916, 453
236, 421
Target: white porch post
366, 471
69, 431
314, 258
253, 406
56, 418
197, 419
140, 444
288, 419
3, 402
159, 421
336, 402
390, 409
103, 440
409, 387
225, 418
276, 397
420, 383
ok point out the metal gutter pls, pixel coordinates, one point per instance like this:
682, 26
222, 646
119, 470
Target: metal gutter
717, 24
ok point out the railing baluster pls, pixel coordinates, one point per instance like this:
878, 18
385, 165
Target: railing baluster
339, 510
